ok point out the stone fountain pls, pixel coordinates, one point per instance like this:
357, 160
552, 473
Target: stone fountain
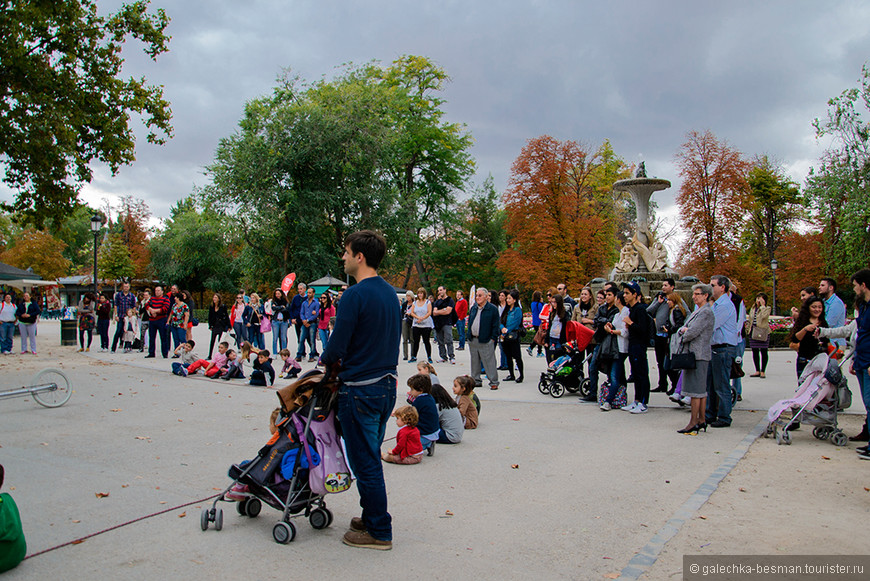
644, 259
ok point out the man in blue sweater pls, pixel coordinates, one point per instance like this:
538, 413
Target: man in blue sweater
365, 347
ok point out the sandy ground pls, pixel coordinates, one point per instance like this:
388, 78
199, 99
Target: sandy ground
589, 490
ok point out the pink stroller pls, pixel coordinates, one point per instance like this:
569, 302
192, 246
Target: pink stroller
823, 391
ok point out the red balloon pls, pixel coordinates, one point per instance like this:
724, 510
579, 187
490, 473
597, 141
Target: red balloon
288, 281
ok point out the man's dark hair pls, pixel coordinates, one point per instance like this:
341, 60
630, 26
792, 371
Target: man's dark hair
612, 287
722, 281
831, 282
371, 244
670, 281
862, 277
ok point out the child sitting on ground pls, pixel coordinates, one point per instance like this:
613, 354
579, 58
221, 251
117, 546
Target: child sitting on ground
291, 367
12, 544
463, 387
449, 419
419, 397
188, 357
408, 449
263, 374
213, 367
424, 368
131, 329
232, 368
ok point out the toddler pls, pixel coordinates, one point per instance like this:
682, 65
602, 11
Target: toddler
291, 367
419, 396
213, 367
449, 419
131, 329
12, 544
408, 448
263, 374
463, 388
188, 357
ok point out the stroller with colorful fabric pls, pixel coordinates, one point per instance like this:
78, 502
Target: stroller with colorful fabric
301, 463
566, 373
822, 393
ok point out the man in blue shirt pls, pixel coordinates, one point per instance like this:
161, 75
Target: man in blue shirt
835, 308
308, 312
365, 346
724, 346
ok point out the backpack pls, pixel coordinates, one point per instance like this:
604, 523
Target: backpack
331, 474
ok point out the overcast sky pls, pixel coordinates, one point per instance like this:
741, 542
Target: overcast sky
641, 74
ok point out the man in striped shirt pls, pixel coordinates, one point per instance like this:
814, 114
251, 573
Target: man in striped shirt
158, 314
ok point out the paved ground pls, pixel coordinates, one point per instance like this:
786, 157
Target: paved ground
594, 495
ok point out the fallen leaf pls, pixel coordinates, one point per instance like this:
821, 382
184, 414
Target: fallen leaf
143, 437
702, 517
180, 420
182, 515
612, 576
77, 521
515, 466
101, 494
78, 542
124, 485
741, 489
516, 419
116, 410
867, 489
447, 512
162, 502
43, 443
825, 458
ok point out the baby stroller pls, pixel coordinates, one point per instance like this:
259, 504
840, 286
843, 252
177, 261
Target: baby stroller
566, 372
293, 472
823, 392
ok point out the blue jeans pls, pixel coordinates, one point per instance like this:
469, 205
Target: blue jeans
179, 335
157, 327
324, 338
740, 350
719, 385
279, 336
255, 336
241, 334
460, 329
363, 412
308, 334
617, 375
864, 384
7, 332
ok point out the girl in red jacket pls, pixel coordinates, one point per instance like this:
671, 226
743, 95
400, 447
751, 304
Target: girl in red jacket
408, 448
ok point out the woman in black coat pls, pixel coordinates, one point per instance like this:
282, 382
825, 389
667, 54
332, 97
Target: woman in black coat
218, 321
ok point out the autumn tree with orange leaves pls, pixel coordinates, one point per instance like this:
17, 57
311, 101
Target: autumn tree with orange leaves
560, 219
711, 199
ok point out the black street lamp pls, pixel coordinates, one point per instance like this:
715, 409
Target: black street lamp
773, 266
96, 225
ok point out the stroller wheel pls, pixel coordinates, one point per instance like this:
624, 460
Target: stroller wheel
557, 389
783, 437
839, 439
253, 507
283, 532
822, 432
204, 519
733, 397
319, 518
544, 384
584, 387
218, 519
240, 506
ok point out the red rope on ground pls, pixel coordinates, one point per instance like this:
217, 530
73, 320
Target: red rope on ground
82, 539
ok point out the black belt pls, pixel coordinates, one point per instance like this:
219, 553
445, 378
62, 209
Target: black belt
720, 345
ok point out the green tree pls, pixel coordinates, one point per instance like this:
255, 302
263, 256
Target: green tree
840, 189
63, 103
75, 230
775, 207
113, 259
193, 250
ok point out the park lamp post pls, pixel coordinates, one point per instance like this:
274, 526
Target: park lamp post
96, 225
773, 266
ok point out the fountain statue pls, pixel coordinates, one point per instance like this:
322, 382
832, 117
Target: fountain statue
643, 257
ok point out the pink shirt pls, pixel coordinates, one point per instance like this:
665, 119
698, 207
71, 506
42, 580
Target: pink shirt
327, 316
219, 359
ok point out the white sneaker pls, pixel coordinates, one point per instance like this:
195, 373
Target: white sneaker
605, 407
687, 400
630, 407
639, 409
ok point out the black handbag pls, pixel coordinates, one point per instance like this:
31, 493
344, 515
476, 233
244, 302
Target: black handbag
683, 359
609, 349
511, 336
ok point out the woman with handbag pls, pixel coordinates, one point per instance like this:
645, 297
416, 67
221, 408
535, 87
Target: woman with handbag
511, 324
557, 324
757, 328
87, 320
218, 322
255, 333
802, 338
695, 336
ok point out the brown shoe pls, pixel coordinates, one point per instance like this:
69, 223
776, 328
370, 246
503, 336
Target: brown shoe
357, 524
364, 540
